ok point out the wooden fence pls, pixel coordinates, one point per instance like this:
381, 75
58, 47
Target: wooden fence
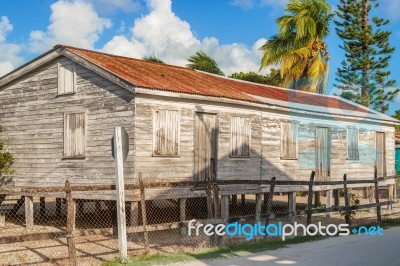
217, 205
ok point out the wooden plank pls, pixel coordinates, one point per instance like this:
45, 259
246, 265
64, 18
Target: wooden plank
182, 216
120, 191
144, 214
28, 212
71, 217
225, 208
310, 197
210, 206
270, 200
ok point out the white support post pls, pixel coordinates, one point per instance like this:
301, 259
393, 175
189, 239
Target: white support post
28, 211
120, 195
329, 199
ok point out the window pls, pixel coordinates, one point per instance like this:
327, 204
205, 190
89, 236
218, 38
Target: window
352, 143
289, 140
66, 78
240, 136
74, 135
166, 133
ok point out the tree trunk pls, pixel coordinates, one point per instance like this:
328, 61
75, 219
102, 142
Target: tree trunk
365, 99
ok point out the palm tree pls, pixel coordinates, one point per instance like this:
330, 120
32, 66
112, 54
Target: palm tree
299, 47
153, 58
201, 61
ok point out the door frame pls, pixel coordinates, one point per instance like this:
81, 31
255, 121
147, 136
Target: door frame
195, 115
328, 153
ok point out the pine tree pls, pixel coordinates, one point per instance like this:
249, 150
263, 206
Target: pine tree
364, 76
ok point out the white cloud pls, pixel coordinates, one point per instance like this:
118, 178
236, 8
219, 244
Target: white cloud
72, 23
8, 52
5, 27
167, 36
110, 6
249, 4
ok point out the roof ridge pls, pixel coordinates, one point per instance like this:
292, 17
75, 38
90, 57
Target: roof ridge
121, 56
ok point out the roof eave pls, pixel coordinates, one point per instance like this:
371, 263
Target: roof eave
30, 66
276, 107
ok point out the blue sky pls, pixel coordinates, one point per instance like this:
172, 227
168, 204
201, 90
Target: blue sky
231, 31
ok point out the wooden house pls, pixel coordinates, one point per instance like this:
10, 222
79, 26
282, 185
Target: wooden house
59, 111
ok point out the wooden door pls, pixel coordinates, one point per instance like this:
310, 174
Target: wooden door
323, 153
205, 146
380, 154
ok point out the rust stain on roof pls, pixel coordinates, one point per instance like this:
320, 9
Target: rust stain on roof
157, 76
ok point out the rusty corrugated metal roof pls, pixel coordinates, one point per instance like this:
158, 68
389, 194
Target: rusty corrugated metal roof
157, 76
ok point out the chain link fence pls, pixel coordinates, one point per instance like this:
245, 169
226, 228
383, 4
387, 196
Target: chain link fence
79, 224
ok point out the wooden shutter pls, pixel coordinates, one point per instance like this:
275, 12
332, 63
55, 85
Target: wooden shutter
289, 140
166, 133
352, 144
240, 136
66, 78
381, 153
74, 135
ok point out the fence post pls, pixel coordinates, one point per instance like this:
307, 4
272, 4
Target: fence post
144, 214
182, 216
120, 194
71, 211
378, 206
225, 208
29, 211
258, 206
270, 199
346, 200
310, 197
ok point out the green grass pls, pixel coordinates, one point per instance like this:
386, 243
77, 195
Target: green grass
216, 252
244, 249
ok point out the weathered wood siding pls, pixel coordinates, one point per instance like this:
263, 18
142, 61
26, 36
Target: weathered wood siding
266, 158
249, 141
33, 114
